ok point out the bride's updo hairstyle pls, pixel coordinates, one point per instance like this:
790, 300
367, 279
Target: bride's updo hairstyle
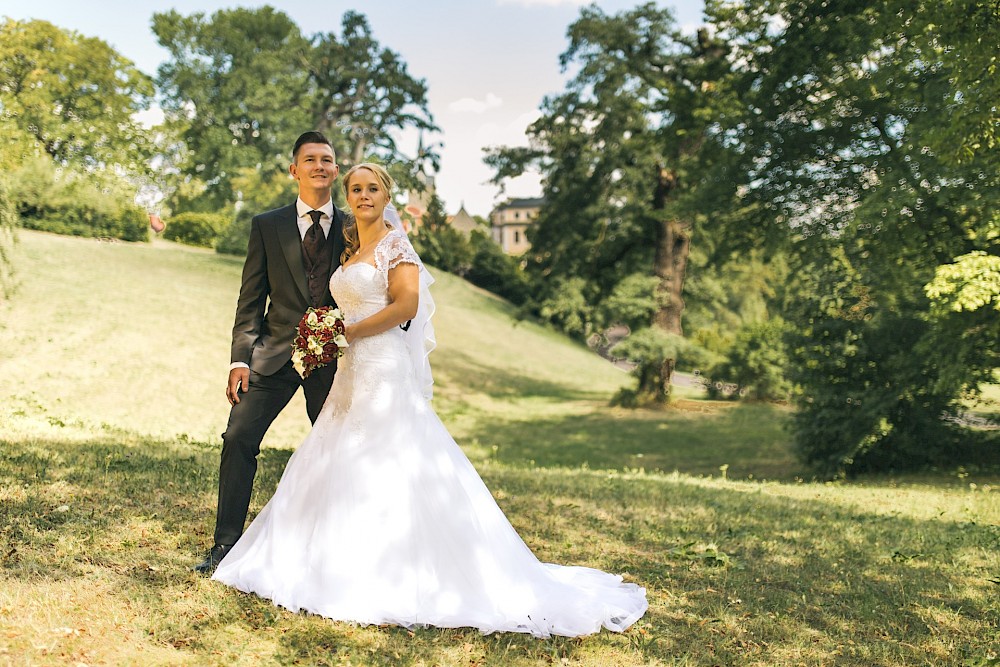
352, 242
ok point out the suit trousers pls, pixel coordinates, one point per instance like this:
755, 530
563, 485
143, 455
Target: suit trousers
248, 422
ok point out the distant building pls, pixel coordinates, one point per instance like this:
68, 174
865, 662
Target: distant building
510, 221
462, 221
417, 202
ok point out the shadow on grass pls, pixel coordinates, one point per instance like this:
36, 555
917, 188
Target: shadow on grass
514, 383
749, 439
735, 574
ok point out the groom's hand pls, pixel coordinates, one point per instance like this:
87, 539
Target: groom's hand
238, 378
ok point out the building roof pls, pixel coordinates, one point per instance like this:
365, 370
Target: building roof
462, 221
522, 202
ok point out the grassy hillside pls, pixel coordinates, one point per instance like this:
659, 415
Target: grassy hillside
139, 335
136, 337
113, 359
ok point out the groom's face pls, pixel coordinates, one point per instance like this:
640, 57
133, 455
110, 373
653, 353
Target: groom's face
315, 167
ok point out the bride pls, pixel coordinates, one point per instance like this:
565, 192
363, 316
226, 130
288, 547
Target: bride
379, 517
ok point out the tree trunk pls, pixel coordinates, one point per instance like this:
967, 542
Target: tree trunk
673, 245
358, 153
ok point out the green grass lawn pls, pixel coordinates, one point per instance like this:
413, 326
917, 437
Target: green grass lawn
114, 358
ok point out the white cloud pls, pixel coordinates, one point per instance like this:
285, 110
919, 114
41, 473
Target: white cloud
472, 105
513, 133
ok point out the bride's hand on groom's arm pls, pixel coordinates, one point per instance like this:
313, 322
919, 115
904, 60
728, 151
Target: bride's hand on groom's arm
238, 378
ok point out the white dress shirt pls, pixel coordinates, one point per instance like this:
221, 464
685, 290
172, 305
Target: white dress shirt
305, 222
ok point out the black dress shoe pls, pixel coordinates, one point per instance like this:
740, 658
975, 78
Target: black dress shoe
213, 559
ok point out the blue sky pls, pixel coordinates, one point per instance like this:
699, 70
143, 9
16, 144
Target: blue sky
487, 63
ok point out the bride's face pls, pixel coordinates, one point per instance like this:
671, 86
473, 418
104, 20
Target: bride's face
366, 196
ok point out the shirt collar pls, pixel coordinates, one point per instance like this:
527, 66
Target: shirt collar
302, 208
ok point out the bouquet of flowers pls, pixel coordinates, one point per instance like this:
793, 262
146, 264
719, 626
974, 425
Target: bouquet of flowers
318, 340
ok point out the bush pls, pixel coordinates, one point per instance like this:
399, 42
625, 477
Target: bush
496, 271
234, 238
874, 380
654, 353
755, 364
198, 229
62, 201
445, 248
260, 190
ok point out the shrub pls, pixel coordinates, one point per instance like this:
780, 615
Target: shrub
445, 248
754, 365
654, 353
496, 271
260, 190
234, 238
198, 229
63, 201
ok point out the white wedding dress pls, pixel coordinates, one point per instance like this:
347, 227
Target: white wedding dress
380, 518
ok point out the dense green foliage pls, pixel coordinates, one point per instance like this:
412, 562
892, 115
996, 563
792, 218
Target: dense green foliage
635, 177
496, 271
439, 244
242, 84
64, 201
74, 152
830, 161
755, 365
199, 229
233, 238
72, 146
70, 97
474, 256
260, 192
843, 138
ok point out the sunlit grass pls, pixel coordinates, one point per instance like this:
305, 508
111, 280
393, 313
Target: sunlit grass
113, 359
100, 532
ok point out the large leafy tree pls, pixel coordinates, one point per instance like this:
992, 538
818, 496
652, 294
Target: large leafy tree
865, 127
360, 92
233, 92
241, 84
71, 97
627, 153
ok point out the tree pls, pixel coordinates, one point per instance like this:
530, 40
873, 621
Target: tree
848, 135
627, 153
242, 84
233, 91
361, 91
70, 97
441, 245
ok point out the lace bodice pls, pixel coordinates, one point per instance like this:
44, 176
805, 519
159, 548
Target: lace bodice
373, 366
361, 289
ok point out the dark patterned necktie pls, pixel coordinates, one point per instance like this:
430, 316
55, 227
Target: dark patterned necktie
313, 241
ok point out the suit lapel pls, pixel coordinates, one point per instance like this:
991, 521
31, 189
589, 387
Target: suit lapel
291, 247
337, 238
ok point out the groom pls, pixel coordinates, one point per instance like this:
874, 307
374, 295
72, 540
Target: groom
291, 254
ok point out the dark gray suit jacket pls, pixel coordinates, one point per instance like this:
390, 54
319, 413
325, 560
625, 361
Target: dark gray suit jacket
274, 294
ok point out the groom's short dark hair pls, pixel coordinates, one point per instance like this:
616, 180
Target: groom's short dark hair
311, 137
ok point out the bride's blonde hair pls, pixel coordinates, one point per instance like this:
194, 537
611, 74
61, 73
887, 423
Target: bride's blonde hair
351, 240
